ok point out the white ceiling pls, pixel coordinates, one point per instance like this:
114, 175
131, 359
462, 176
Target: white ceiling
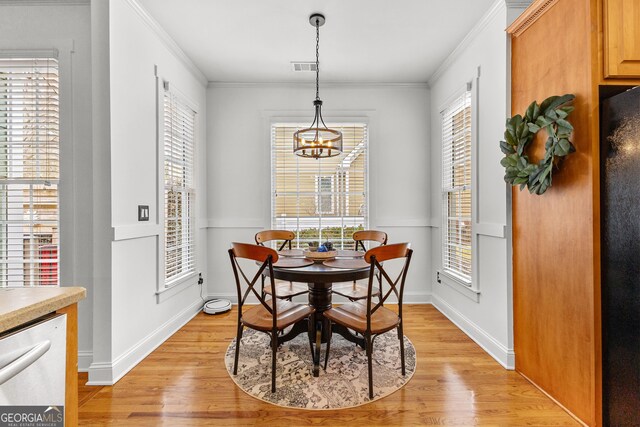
362, 41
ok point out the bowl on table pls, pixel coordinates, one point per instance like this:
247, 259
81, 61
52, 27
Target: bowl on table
320, 257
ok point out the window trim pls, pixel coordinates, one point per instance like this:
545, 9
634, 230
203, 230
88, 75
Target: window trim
448, 276
167, 289
298, 118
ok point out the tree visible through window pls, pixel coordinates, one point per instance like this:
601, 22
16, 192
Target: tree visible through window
323, 199
29, 171
456, 187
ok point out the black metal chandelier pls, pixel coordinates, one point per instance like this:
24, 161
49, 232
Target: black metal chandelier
317, 140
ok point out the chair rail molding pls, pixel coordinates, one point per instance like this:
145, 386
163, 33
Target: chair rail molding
257, 223
135, 231
403, 222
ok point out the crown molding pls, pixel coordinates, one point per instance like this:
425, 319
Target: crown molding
168, 41
531, 15
45, 2
497, 6
363, 85
518, 4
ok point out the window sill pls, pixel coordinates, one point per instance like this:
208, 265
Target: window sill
459, 286
177, 287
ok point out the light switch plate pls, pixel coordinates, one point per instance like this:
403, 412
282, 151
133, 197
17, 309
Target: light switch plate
143, 212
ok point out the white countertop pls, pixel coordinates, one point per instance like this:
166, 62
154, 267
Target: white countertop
21, 305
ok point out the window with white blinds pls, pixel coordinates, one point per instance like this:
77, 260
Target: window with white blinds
456, 188
29, 171
323, 199
179, 189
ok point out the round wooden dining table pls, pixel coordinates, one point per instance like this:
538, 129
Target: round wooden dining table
348, 266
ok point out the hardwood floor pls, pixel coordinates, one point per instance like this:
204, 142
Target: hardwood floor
184, 382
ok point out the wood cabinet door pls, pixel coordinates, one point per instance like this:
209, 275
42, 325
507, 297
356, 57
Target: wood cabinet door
621, 38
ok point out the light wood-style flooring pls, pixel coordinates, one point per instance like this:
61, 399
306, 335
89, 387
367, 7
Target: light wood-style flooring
184, 382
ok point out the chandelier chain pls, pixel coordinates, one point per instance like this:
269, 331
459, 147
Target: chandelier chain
317, 58
317, 141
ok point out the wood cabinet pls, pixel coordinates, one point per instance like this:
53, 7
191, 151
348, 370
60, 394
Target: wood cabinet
558, 47
621, 30
71, 374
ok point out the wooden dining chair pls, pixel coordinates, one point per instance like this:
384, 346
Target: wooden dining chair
356, 291
285, 290
372, 320
268, 317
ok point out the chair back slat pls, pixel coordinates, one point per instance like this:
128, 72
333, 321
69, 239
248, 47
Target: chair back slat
254, 252
375, 257
386, 252
369, 236
268, 235
265, 256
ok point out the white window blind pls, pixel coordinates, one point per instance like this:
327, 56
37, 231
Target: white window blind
456, 187
179, 189
29, 171
323, 199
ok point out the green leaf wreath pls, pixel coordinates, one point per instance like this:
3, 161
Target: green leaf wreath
551, 116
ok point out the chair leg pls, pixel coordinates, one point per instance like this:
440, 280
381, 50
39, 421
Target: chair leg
238, 339
290, 298
326, 355
274, 349
316, 357
310, 334
401, 336
367, 338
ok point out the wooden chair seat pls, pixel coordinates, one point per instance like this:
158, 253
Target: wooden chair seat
288, 313
354, 316
287, 290
353, 291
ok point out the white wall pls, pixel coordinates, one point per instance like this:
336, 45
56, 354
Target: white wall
484, 315
142, 318
239, 175
113, 167
66, 28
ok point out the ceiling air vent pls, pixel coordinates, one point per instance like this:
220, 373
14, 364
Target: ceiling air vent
303, 66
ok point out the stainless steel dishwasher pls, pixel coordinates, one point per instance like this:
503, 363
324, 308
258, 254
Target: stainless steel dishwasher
33, 363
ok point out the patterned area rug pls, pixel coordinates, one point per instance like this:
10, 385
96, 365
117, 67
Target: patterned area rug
342, 385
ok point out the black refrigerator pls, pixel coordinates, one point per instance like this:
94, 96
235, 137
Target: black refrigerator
620, 213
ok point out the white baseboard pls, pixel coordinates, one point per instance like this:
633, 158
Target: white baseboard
416, 298
100, 374
232, 296
84, 360
503, 355
110, 373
